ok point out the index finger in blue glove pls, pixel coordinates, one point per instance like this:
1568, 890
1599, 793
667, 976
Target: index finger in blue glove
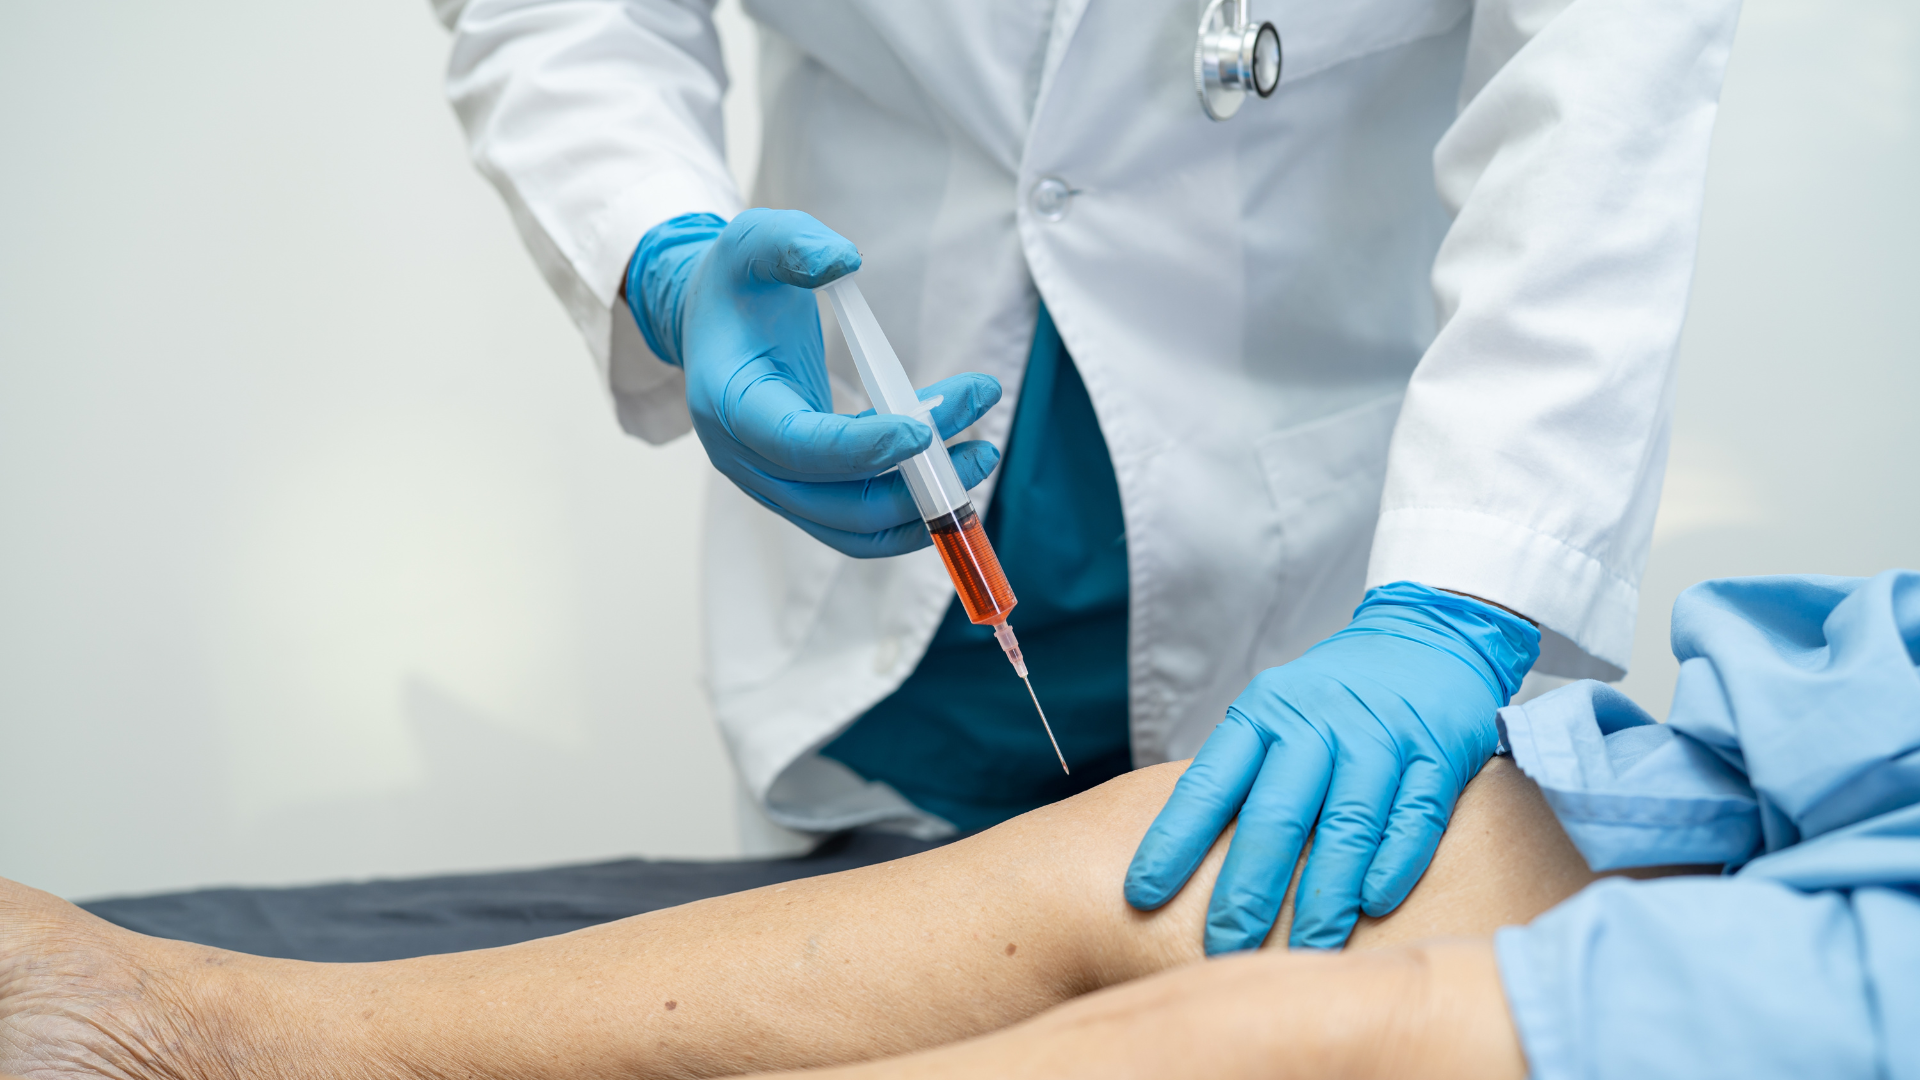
910, 536
787, 247
1267, 840
966, 398
770, 416
766, 413
1206, 797
872, 505
1414, 827
1328, 903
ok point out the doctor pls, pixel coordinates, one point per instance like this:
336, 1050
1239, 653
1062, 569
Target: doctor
1397, 335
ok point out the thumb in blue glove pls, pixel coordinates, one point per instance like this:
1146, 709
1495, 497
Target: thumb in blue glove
1373, 733
731, 303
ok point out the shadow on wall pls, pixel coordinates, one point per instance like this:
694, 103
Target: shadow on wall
482, 787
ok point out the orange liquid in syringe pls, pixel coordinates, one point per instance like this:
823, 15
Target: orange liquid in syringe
975, 570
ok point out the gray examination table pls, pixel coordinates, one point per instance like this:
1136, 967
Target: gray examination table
389, 920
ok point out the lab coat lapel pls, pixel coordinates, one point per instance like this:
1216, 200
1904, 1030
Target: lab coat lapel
976, 58
1066, 20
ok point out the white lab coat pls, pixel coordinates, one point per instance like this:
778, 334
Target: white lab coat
1413, 317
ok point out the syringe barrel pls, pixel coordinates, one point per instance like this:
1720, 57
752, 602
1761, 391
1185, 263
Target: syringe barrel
930, 476
974, 568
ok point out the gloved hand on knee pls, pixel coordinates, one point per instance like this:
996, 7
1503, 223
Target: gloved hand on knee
1373, 734
731, 304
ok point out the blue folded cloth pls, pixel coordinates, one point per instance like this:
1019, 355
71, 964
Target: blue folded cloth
1791, 758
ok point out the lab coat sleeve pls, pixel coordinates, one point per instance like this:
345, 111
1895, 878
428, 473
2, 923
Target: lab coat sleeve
1691, 977
596, 120
1526, 464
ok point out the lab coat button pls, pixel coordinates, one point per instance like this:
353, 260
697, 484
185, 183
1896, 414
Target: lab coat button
1051, 197
887, 655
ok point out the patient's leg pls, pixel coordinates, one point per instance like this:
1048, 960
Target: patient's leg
882, 960
1433, 1010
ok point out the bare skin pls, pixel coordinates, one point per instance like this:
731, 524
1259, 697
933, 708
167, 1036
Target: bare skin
868, 964
1431, 1009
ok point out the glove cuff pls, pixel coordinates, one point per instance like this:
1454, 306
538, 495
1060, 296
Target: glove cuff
657, 277
1506, 643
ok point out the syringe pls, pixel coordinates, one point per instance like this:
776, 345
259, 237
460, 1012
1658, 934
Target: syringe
943, 502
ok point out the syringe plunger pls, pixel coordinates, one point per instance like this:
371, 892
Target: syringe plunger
936, 488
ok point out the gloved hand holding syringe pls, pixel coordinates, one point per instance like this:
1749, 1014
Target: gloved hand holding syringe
937, 492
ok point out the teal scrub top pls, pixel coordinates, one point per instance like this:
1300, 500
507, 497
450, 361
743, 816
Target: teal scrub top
960, 738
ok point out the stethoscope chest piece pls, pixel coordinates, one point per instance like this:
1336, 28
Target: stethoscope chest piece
1233, 57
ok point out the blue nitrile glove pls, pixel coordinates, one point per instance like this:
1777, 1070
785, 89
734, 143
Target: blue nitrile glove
1374, 731
730, 303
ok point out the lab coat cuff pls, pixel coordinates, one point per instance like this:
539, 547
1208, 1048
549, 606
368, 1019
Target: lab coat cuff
649, 394
1585, 611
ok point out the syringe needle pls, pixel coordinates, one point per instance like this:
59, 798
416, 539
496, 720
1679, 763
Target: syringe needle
1044, 724
1011, 646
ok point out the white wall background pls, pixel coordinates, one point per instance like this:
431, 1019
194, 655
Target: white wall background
1797, 437
321, 555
